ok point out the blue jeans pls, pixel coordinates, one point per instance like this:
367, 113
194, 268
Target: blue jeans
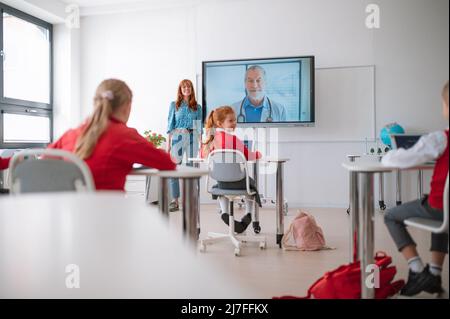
182, 143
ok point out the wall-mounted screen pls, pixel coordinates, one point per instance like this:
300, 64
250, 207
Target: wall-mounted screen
263, 92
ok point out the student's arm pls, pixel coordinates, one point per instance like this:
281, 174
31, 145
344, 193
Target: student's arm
429, 147
136, 149
4, 162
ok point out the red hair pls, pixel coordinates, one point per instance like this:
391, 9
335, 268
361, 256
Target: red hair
215, 116
192, 101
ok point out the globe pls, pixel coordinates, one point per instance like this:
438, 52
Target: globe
391, 128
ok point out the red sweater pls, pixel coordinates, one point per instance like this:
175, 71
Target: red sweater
223, 140
436, 196
4, 162
117, 149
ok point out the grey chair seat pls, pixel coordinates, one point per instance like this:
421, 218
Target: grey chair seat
424, 223
224, 192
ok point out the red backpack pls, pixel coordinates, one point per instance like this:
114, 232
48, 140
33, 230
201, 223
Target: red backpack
345, 282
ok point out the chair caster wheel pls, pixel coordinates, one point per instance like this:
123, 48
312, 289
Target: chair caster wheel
237, 252
256, 227
262, 245
202, 248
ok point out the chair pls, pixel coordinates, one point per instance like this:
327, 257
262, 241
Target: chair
433, 226
48, 170
229, 166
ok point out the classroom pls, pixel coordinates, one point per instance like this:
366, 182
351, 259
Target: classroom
224, 149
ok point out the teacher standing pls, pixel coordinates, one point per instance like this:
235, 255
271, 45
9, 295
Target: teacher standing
185, 130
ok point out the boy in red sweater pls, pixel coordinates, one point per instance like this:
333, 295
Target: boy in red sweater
107, 144
220, 126
433, 146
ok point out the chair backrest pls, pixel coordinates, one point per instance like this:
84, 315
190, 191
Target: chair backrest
48, 170
227, 165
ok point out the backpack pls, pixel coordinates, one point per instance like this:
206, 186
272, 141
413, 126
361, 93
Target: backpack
304, 234
345, 282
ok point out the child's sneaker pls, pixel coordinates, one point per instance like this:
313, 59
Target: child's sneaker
238, 226
246, 220
422, 281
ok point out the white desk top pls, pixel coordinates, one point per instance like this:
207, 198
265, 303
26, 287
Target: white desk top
262, 160
184, 171
180, 172
124, 249
377, 167
145, 172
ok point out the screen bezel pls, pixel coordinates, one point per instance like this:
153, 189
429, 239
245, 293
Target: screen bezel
310, 123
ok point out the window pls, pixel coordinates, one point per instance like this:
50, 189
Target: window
26, 115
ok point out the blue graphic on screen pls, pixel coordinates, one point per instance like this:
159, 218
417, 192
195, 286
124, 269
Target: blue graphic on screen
281, 87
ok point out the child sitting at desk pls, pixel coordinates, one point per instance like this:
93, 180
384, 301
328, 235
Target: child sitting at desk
433, 146
107, 144
219, 127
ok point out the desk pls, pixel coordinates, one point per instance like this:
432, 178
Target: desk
362, 208
279, 191
121, 249
148, 173
190, 178
190, 200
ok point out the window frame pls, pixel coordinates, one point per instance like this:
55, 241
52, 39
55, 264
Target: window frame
23, 107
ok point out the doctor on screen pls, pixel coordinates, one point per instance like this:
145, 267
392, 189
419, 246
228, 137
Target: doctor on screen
256, 106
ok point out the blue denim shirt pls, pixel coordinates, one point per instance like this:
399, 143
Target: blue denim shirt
184, 118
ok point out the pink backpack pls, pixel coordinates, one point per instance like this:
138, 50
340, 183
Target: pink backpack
304, 234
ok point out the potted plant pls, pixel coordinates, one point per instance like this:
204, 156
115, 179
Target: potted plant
156, 139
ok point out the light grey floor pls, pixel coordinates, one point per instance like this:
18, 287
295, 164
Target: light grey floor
274, 272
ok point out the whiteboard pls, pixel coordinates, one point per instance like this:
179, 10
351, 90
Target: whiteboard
344, 107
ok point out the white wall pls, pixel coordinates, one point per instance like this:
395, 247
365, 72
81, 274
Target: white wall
153, 50
66, 101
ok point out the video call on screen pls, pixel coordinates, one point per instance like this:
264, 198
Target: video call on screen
288, 85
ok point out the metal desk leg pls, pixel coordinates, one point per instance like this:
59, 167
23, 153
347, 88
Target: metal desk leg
366, 231
197, 165
381, 203
419, 183
163, 196
381, 188
148, 180
399, 187
256, 226
351, 159
190, 205
354, 217
280, 202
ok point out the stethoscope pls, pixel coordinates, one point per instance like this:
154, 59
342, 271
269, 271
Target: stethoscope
241, 116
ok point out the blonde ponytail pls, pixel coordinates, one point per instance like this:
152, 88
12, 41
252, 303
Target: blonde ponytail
110, 95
